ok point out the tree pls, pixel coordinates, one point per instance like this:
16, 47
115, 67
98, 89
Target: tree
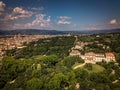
70, 61
50, 60
58, 82
81, 74
34, 84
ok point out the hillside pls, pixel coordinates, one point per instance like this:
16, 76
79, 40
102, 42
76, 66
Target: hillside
30, 32
46, 65
55, 32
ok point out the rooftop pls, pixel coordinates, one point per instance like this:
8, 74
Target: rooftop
109, 54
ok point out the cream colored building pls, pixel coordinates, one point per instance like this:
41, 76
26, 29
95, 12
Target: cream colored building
100, 57
90, 56
78, 47
74, 53
109, 57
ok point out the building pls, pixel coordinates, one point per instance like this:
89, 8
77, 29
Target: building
90, 56
82, 56
78, 47
109, 57
100, 57
93, 57
74, 53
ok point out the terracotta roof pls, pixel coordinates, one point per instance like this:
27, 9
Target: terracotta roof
109, 54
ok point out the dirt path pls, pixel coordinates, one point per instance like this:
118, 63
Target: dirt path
79, 66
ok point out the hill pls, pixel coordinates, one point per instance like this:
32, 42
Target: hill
55, 32
93, 31
30, 32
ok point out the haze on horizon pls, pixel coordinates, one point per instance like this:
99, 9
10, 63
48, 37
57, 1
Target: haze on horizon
59, 14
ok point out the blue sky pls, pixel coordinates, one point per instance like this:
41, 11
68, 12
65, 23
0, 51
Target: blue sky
60, 14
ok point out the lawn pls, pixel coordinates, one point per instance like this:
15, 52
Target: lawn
95, 68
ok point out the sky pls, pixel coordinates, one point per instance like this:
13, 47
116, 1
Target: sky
59, 14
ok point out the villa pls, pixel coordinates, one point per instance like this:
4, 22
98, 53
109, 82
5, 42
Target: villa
100, 57
92, 57
109, 57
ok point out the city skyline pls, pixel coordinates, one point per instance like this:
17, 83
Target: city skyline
59, 14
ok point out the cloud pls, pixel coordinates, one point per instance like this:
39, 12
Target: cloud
64, 17
113, 22
16, 14
41, 22
9, 18
2, 7
64, 20
19, 13
36, 8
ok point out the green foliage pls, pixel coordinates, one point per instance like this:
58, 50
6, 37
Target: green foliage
81, 74
45, 65
7, 62
86, 38
50, 60
93, 68
61, 81
94, 48
70, 61
88, 66
34, 84
58, 82
57, 45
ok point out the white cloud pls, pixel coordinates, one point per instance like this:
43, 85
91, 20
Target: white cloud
113, 22
20, 13
2, 7
64, 20
64, 17
17, 14
36, 8
40, 22
9, 19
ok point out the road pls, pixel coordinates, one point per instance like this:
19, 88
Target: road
79, 66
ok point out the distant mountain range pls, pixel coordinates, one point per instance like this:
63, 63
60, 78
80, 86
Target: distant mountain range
55, 32
94, 31
30, 32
